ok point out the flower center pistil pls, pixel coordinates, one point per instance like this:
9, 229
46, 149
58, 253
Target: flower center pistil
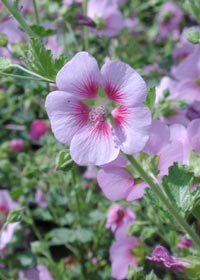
97, 115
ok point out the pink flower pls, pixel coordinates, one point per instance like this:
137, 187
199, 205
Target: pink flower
38, 273
16, 145
162, 257
193, 131
107, 17
118, 216
6, 205
169, 18
38, 129
41, 198
89, 130
117, 183
185, 243
122, 257
187, 75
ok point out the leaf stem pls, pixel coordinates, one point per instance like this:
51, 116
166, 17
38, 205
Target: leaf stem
15, 13
32, 73
37, 19
174, 212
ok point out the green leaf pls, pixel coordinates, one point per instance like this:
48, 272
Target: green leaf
61, 236
42, 32
5, 64
84, 235
40, 60
151, 276
177, 186
15, 215
151, 97
64, 161
26, 259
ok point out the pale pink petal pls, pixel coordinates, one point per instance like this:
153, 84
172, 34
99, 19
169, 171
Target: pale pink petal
44, 274
7, 234
6, 202
94, 145
132, 127
186, 90
159, 137
137, 191
67, 115
121, 257
123, 84
115, 182
80, 76
188, 68
171, 153
193, 131
120, 161
178, 132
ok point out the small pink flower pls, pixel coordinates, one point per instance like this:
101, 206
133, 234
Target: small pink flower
38, 129
41, 198
162, 257
187, 76
122, 257
6, 205
185, 243
169, 18
107, 17
118, 216
96, 134
16, 145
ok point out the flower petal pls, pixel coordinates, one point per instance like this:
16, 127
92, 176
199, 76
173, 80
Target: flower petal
137, 191
80, 76
132, 127
123, 84
193, 131
67, 115
94, 145
115, 182
159, 137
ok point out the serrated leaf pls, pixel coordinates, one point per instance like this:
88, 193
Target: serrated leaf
41, 61
15, 215
151, 97
177, 186
42, 32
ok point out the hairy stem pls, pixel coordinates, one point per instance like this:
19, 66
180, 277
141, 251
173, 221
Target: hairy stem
15, 13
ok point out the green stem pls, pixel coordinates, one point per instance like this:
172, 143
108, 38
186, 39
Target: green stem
23, 77
156, 189
86, 44
32, 73
12, 9
37, 19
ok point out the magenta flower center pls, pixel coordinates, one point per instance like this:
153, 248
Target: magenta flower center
97, 115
